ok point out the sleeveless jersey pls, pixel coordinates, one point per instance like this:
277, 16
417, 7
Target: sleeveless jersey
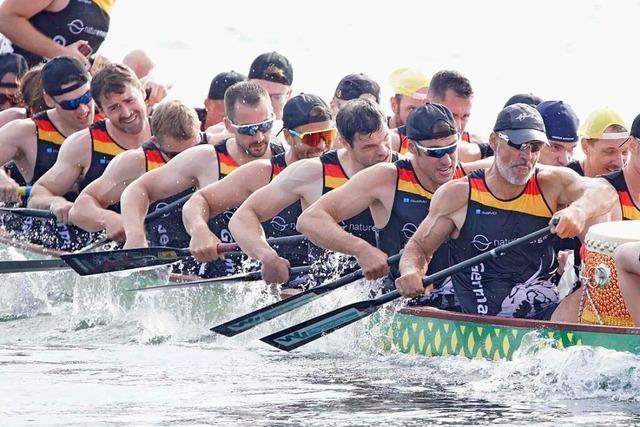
629, 209
103, 149
79, 20
575, 166
49, 140
519, 283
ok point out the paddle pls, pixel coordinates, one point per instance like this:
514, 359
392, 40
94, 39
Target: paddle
125, 259
36, 213
26, 266
253, 275
264, 314
297, 335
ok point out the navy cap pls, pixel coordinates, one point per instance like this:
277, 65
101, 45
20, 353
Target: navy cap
521, 123
222, 82
272, 66
524, 98
297, 111
560, 121
62, 71
354, 86
422, 122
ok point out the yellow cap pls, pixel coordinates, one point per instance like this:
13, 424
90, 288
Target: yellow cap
601, 119
408, 81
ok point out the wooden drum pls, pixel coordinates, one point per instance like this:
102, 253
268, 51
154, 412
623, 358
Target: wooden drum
602, 302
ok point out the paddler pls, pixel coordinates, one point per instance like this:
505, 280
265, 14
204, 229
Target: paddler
363, 132
489, 208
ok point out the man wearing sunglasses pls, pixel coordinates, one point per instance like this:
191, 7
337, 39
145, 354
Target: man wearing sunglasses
309, 131
250, 120
398, 194
33, 143
175, 128
363, 132
86, 154
489, 208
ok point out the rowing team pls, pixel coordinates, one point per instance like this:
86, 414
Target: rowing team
338, 182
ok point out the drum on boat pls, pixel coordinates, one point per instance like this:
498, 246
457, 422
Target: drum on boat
602, 302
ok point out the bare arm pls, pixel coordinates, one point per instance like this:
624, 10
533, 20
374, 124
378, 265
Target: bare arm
90, 208
445, 213
73, 159
195, 166
12, 137
15, 25
294, 183
319, 222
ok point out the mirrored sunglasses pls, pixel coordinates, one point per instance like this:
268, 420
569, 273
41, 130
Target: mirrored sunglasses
535, 145
316, 137
254, 128
72, 104
438, 152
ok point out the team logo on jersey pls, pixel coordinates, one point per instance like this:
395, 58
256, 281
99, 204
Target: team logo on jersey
279, 223
481, 242
409, 230
76, 26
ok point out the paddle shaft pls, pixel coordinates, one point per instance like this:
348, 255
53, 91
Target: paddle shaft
257, 317
312, 329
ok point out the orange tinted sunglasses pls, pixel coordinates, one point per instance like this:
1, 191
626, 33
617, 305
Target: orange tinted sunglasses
316, 137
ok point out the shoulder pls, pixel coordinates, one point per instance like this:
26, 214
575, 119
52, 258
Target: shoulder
302, 171
451, 196
549, 174
378, 174
19, 128
255, 169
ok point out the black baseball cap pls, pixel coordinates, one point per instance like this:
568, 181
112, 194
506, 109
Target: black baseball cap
521, 123
297, 110
272, 66
560, 121
12, 63
524, 98
354, 86
61, 71
422, 121
635, 127
222, 82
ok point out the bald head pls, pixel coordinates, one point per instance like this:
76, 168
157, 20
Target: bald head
139, 62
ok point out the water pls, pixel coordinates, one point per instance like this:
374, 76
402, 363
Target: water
82, 351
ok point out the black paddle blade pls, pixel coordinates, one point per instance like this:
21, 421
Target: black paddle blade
305, 332
255, 318
30, 265
125, 259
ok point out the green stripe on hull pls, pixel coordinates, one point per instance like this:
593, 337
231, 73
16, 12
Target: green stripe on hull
429, 336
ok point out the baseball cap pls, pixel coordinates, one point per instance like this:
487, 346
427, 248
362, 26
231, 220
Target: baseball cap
408, 81
61, 71
12, 63
422, 121
272, 66
297, 110
524, 98
354, 86
222, 82
599, 120
521, 123
560, 121
635, 127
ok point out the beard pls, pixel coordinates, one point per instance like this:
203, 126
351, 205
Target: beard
507, 172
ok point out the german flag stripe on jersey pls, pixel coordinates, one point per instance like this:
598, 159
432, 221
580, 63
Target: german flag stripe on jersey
104, 144
226, 164
408, 183
629, 209
48, 132
529, 202
334, 177
154, 159
276, 169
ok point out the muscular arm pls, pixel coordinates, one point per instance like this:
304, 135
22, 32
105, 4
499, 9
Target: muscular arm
225, 194
588, 199
195, 166
368, 187
73, 159
446, 215
12, 137
90, 208
298, 181
15, 25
